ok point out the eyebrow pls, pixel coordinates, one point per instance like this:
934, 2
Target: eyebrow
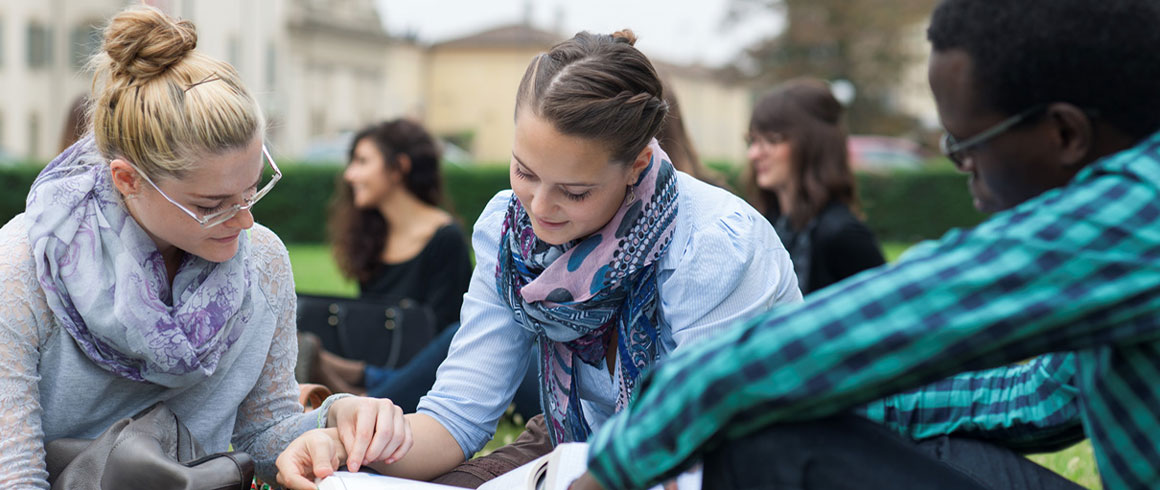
561, 184
218, 197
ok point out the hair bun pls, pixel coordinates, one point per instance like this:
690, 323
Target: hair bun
625, 35
142, 42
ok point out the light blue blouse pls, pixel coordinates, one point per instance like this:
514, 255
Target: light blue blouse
725, 263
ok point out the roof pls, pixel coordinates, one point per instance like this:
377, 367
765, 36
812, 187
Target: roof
508, 36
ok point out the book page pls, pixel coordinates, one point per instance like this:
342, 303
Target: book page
522, 477
343, 480
567, 462
689, 480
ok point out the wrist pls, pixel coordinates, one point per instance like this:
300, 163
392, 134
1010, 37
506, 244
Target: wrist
326, 416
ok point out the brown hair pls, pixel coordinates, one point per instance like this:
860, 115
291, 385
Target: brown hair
159, 102
598, 87
75, 123
805, 112
359, 235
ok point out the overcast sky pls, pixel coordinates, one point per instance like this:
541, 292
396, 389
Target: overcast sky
681, 31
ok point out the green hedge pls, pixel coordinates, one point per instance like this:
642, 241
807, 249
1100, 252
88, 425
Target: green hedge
899, 207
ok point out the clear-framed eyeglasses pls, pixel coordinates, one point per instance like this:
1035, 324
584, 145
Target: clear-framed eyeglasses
209, 220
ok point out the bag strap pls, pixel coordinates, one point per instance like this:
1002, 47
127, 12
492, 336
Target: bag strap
311, 395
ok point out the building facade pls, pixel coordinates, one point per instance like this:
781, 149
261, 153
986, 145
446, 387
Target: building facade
321, 69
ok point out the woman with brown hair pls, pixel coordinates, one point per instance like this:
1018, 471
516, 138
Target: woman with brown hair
600, 261
799, 177
386, 227
390, 235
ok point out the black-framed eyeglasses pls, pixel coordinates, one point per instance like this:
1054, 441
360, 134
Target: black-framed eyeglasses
957, 151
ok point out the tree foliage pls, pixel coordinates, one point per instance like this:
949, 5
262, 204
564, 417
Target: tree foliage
868, 42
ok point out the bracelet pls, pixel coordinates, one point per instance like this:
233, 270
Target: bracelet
324, 409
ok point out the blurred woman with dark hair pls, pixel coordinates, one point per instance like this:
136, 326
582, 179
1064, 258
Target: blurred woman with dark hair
389, 234
387, 229
800, 179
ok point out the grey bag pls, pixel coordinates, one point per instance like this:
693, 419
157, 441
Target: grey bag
151, 450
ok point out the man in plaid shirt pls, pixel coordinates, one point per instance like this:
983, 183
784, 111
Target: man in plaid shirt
1053, 109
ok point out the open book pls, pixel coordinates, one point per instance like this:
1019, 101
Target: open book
554, 471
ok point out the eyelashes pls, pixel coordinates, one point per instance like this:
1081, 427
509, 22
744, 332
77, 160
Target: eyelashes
577, 197
574, 197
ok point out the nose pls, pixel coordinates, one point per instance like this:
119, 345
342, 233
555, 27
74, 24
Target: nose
243, 220
964, 163
754, 151
346, 174
540, 205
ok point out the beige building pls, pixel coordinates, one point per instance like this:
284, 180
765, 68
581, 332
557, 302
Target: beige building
318, 67
715, 111
472, 85
473, 82
913, 95
44, 46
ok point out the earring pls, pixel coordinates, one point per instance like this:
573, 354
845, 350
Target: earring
629, 196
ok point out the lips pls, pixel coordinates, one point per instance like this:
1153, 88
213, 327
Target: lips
550, 224
226, 239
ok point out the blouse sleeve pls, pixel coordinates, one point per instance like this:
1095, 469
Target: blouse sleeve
24, 326
730, 268
451, 269
490, 352
850, 248
271, 417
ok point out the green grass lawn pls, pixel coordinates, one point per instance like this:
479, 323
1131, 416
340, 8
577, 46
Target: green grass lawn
315, 272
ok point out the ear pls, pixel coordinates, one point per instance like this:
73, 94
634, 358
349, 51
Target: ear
404, 164
124, 177
1073, 133
639, 164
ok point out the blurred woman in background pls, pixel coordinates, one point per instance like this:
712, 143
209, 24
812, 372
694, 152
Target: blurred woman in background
390, 235
800, 179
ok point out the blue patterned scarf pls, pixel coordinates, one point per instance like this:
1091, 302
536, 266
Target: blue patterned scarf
573, 297
105, 280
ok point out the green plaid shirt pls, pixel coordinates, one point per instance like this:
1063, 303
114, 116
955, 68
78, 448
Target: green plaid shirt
1070, 278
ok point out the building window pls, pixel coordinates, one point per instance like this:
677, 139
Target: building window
84, 41
39, 44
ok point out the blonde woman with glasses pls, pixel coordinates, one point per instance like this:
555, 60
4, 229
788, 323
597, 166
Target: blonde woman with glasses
137, 275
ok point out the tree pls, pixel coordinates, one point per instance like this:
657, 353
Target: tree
868, 42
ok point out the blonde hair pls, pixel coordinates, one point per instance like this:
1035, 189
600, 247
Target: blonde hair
160, 103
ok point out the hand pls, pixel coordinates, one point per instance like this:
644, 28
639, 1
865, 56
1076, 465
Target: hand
370, 430
586, 482
315, 454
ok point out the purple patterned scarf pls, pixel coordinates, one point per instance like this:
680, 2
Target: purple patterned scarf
105, 280
573, 297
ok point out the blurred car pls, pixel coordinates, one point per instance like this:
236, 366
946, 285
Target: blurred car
332, 150
885, 154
